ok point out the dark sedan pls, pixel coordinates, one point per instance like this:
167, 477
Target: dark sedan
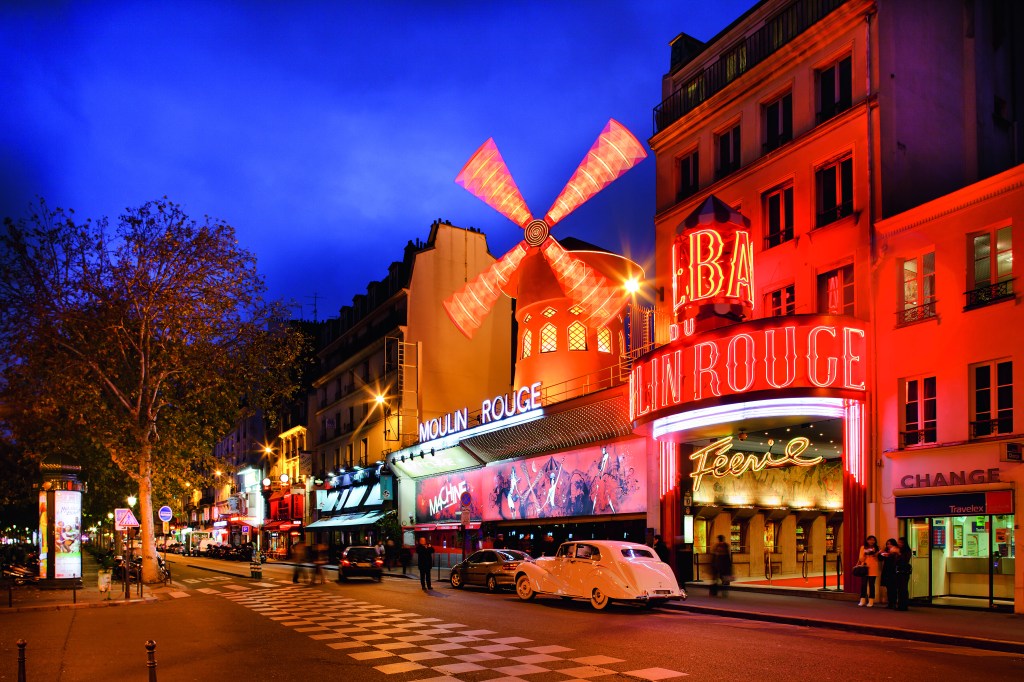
361, 561
490, 568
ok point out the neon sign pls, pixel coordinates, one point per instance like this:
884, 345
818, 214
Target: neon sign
492, 410
724, 465
813, 352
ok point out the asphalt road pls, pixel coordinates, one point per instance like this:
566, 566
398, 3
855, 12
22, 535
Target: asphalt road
218, 627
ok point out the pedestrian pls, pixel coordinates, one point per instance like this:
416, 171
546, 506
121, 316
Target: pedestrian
379, 548
298, 558
890, 555
390, 558
424, 561
904, 569
868, 557
319, 561
660, 548
405, 557
721, 566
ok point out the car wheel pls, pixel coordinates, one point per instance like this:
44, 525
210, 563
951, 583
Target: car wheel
524, 589
492, 584
379, 577
456, 580
598, 599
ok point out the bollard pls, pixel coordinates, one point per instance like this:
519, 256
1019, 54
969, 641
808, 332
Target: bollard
151, 659
21, 659
74, 594
256, 570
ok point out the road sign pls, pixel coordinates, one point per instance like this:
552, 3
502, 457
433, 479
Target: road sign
165, 513
466, 499
167, 528
123, 518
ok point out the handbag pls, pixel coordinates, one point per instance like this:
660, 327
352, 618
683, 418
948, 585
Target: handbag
860, 570
904, 569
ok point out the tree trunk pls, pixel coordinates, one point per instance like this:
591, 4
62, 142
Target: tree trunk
150, 572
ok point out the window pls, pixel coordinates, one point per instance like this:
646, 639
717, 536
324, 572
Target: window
780, 302
835, 88
728, 143
689, 177
992, 387
548, 312
604, 341
918, 290
588, 552
548, 339
835, 291
527, 343
992, 271
577, 336
348, 456
576, 310
834, 184
527, 318
364, 450
778, 216
919, 411
735, 61
778, 122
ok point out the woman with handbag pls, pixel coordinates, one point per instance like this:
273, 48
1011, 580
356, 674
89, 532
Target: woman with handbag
903, 571
869, 573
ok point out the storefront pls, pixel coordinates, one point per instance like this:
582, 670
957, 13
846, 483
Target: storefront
349, 508
958, 515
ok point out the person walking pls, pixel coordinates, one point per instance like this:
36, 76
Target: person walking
721, 566
904, 569
890, 555
868, 557
298, 560
405, 558
424, 561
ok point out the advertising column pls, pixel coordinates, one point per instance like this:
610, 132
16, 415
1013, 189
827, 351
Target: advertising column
60, 526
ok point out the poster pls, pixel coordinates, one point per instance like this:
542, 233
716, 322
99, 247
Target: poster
819, 487
598, 480
67, 534
44, 536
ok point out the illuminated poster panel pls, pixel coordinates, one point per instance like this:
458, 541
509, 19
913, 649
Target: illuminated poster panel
67, 534
44, 536
815, 487
598, 480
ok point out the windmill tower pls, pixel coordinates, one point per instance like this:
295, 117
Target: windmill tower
569, 302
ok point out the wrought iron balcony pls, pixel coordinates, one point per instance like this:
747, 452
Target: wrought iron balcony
916, 314
989, 294
981, 428
917, 436
836, 213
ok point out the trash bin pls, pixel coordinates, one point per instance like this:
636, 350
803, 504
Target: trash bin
103, 582
255, 570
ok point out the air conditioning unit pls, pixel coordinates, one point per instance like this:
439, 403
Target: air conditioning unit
1011, 452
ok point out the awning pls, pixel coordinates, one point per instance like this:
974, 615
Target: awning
346, 520
281, 525
457, 526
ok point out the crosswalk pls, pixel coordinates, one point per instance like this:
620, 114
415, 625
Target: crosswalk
420, 648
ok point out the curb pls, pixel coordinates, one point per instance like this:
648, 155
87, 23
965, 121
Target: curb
104, 603
860, 628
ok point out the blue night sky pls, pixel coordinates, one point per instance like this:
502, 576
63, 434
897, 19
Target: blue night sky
330, 134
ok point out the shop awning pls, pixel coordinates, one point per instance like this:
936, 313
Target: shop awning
346, 520
280, 525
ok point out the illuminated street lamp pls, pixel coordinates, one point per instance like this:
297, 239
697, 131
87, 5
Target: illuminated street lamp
132, 500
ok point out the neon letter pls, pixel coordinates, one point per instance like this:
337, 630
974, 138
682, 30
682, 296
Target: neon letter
849, 359
772, 357
705, 271
741, 270
700, 369
733, 362
812, 357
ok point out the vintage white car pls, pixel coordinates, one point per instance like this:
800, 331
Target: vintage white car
601, 571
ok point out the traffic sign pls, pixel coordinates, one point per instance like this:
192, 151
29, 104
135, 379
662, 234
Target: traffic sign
124, 518
466, 499
167, 528
165, 513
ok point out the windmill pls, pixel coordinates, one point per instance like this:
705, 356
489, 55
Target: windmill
590, 290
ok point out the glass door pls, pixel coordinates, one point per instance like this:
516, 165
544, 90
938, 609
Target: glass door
919, 534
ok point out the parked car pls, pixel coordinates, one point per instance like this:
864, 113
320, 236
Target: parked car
490, 568
360, 561
602, 571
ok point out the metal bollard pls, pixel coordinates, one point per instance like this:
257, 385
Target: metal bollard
151, 659
21, 659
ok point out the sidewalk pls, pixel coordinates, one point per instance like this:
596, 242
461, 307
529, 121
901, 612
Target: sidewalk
952, 627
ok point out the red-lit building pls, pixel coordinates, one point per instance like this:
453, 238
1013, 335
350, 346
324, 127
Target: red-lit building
792, 133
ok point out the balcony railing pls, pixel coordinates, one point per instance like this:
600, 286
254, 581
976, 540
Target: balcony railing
916, 314
776, 32
917, 436
835, 213
989, 294
981, 428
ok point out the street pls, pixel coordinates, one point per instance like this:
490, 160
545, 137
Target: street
215, 626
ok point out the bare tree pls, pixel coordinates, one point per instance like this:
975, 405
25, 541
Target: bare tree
147, 339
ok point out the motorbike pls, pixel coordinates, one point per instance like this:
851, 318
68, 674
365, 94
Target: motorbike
19, 574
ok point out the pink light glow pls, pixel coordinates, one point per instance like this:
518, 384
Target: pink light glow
468, 307
614, 152
587, 287
853, 442
487, 178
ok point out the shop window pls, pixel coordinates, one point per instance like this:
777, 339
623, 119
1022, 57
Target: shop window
778, 122
831, 533
689, 178
834, 185
835, 88
577, 336
991, 277
604, 341
780, 302
548, 339
836, 292
803, 538
738, 537
777, 205
728, 144
918, 291
992, 390
527, 343
919, 411
771, 536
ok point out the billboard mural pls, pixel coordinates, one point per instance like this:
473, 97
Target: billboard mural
598, 480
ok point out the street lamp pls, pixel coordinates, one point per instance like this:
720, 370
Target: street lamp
132, 500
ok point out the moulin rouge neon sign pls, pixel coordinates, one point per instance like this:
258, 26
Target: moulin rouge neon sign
723, 464
494, 409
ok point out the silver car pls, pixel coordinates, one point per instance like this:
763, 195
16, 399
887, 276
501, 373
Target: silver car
490, 568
